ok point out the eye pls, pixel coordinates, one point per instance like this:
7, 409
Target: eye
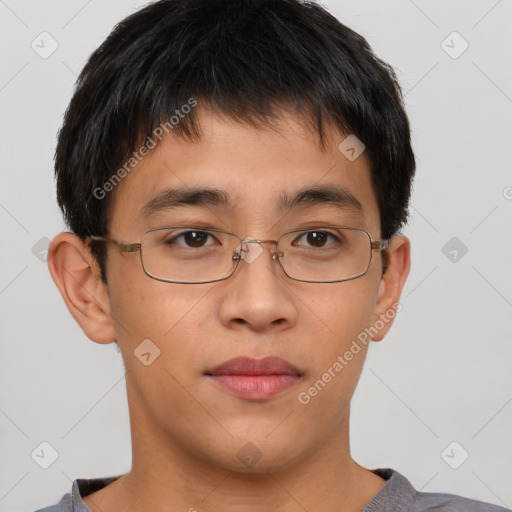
192, 239
317, 239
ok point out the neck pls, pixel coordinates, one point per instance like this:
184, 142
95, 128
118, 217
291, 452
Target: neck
164, 474
341, 484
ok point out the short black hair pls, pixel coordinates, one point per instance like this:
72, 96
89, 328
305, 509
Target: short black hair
246, 59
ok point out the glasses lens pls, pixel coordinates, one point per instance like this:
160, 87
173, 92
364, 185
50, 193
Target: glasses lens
325, 254
188, 255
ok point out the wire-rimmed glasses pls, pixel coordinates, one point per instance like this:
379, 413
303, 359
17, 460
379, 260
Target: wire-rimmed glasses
195, 255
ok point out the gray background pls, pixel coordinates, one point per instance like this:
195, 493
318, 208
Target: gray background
443, 374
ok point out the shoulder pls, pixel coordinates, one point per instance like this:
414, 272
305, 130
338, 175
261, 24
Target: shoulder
72, 502
64, 505
452, 503
398, 495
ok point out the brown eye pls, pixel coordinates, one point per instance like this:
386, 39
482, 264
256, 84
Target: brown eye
317, 239
191, 239
195, 238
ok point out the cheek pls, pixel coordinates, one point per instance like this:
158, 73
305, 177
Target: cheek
339, 349
143, 308
342, 310
172, 317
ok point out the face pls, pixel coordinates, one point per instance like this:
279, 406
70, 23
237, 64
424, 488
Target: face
254, 414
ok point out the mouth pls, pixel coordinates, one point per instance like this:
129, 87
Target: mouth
255, 379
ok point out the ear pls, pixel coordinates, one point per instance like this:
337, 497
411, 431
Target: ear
76, 273
391, 285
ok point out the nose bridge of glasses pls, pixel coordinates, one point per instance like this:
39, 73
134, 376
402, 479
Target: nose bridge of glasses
250, 249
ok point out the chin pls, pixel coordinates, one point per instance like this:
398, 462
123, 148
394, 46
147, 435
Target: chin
257, 455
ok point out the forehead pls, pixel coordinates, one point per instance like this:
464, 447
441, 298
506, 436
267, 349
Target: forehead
246, 172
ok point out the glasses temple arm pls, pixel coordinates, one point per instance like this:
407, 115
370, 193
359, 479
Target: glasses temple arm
381, 244
122, 247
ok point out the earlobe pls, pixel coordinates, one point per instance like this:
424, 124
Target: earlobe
76, 274
391, 285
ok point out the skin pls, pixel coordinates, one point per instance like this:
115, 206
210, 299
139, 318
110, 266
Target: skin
186, 432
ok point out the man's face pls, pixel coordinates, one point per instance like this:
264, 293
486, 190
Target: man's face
176, 402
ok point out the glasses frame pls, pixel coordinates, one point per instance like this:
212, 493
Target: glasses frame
375, 245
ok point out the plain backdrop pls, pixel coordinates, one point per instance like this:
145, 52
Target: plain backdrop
435, 399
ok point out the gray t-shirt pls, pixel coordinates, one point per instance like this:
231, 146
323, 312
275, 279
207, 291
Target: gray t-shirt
397, 495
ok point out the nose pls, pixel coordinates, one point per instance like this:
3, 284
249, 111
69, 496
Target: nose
258, 296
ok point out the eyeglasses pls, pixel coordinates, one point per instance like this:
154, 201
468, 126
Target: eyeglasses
192, 255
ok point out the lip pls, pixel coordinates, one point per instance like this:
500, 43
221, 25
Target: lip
255, 379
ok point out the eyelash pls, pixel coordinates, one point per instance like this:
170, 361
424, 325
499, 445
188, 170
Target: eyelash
305, 233
210, 235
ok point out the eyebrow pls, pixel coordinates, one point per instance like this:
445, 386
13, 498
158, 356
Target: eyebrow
176, 197
325, 195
